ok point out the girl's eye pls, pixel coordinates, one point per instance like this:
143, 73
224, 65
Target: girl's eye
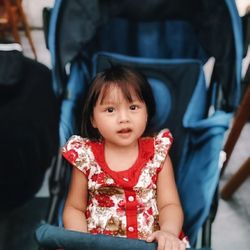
134, 107
109, 109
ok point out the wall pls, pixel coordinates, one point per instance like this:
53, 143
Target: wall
242, 6
33, 10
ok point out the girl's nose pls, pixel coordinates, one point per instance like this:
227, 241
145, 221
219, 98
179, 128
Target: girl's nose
123, 116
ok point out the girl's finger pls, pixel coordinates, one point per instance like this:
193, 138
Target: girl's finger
168, 245
162, 244
182, 246
151, 238
175, 245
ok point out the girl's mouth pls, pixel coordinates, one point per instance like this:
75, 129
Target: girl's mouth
124, 131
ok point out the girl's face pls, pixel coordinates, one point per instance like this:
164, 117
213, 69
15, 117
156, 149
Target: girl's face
119, 121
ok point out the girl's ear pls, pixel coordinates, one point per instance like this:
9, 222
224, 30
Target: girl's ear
92, 120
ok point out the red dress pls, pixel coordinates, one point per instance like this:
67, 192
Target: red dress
121, 203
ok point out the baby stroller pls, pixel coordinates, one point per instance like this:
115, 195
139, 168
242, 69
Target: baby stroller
169, 41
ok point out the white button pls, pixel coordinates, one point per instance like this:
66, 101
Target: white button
130, 229
125, 179
109, 181
131, 198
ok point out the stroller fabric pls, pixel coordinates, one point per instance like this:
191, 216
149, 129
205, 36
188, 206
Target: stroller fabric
149, 33
55, 237
205, 29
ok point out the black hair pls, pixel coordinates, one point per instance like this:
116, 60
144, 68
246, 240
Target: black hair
125, 78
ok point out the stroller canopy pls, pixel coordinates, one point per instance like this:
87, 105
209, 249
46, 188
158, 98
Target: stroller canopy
208, 29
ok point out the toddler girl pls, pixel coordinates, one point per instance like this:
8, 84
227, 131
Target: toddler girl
123, 182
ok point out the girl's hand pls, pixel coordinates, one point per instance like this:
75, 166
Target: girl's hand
166, 241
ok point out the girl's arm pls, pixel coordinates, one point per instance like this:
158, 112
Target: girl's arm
76, 202
169, 205
170, 210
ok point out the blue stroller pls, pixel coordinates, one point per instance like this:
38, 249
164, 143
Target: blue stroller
168, 41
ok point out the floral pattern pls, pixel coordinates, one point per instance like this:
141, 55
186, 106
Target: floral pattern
114, 200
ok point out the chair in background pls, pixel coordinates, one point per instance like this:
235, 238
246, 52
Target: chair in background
12, 17
242, 116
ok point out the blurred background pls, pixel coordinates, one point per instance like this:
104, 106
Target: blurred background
231, 227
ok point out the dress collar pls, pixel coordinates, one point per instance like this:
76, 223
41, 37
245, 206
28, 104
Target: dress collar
146, 153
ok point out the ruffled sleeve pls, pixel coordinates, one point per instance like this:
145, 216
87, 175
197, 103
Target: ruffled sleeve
78, 153
163, 142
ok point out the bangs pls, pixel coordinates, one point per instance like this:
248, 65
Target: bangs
129, 90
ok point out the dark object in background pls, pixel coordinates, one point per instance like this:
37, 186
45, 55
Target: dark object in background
28, 127
46, 20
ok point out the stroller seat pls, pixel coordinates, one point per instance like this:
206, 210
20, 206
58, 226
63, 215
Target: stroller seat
170, 48
178, 86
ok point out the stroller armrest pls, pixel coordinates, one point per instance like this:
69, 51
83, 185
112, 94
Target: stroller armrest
57, 237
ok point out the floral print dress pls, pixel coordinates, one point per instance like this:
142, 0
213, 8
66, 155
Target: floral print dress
120, 203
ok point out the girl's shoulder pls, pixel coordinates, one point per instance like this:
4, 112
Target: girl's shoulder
157, 147
163, 141
160, 142
77, 151
75, 142
164, 134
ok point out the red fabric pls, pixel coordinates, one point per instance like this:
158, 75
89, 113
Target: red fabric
146, 152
